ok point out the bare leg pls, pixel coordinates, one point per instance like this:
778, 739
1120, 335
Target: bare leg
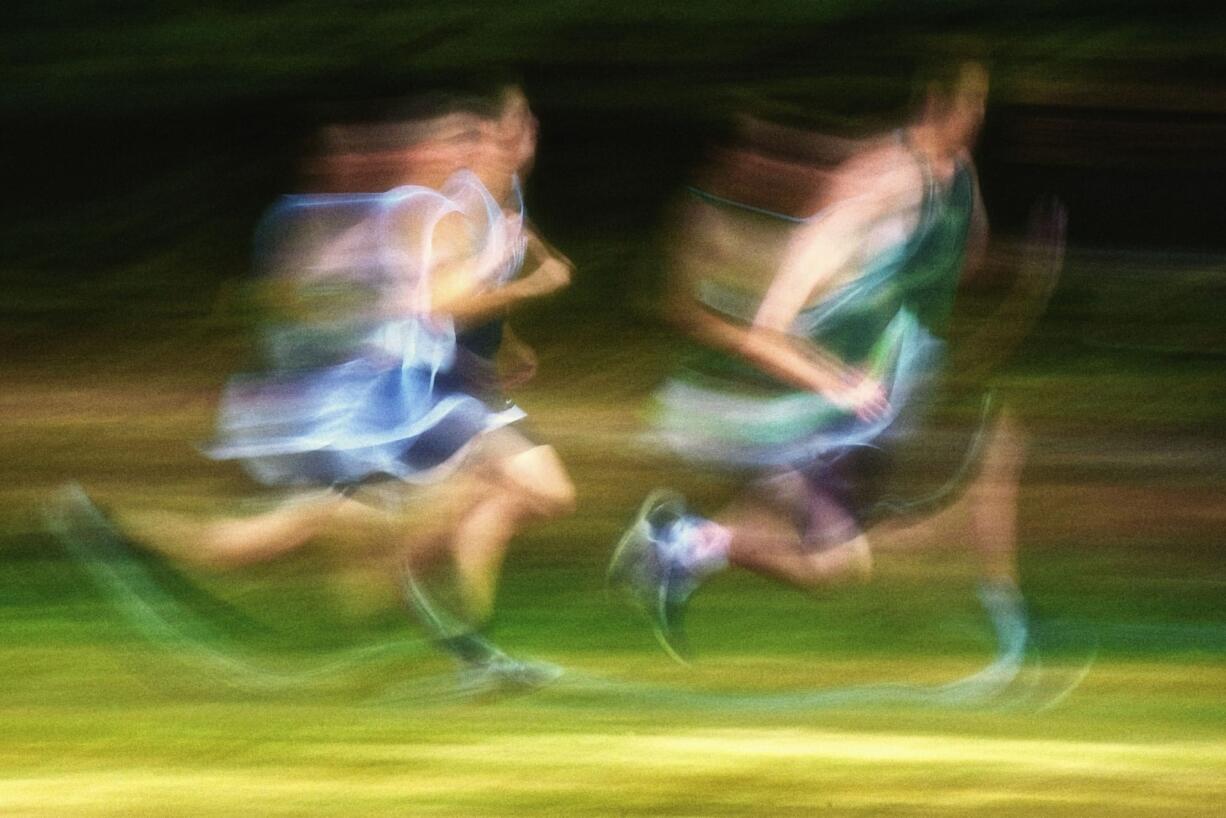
765, 541
515, 483
479, 546
512, 483
537, 474
993, 499
527, 485
232, 542
985, 515
944, 528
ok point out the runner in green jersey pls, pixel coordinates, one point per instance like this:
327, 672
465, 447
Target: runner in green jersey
814, 367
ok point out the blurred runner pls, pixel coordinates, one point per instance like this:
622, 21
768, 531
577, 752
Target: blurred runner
379, 406
824, 337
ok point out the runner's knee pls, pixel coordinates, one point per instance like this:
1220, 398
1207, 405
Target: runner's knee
541, 479
850, 562
554, 496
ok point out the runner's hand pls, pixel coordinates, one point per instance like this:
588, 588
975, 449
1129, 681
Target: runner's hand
546, 279
862, 395
517, 362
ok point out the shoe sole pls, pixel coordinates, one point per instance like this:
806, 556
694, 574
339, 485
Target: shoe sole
615, 577
676, 649
621, 552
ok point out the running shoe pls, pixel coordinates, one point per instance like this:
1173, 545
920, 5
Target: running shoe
652, 579
501, 675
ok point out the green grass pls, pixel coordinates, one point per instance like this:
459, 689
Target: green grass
1122, 561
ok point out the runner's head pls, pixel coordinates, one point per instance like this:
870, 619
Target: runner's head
508, 138
952, 95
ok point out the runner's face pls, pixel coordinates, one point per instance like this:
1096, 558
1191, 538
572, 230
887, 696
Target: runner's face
515, 128
966, 108
508, 145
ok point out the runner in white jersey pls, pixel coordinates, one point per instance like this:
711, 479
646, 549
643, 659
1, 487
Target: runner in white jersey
366, 397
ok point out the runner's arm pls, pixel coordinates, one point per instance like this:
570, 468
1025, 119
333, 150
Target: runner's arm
550, 271
779, 354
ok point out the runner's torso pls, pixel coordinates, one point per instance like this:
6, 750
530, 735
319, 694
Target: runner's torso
918, 273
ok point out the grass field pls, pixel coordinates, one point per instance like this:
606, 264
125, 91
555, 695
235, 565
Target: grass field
330, 705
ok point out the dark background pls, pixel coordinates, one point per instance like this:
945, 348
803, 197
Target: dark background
135, 127
144, 139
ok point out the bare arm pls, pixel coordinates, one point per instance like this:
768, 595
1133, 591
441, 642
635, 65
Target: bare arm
1036, 266
790, 360
550, 271
818, 257
977, 230
773, 350
774, 353
517, 360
